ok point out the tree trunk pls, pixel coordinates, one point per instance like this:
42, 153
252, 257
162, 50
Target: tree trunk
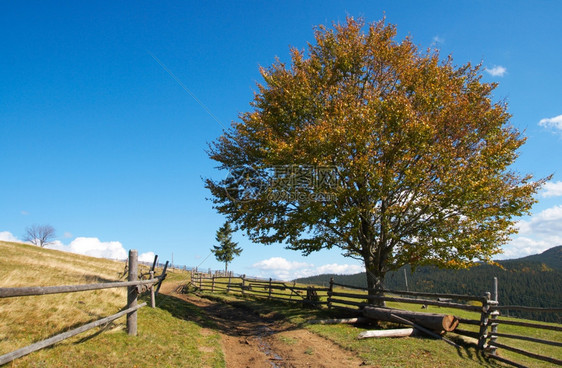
375, 280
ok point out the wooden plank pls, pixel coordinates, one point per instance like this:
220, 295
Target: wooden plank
348, 302
437, 295
523, 308
397, 332
416, 293
471, 308
423, 329
45, 290
527, 324
526, 353
65, 335
469, 321
526, 338
338, 321
162, 277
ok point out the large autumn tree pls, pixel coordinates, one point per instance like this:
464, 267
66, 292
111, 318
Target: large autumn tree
421, 152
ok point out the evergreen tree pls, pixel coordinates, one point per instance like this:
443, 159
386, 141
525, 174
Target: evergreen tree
227, 249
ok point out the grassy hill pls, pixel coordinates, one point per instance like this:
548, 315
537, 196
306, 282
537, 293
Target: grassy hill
25, 320
531, 281
175, 334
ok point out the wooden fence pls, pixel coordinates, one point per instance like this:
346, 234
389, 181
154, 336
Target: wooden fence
354, 298
269, 289
134, 286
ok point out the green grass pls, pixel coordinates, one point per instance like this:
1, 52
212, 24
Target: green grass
177, 333
411, 351
166, 338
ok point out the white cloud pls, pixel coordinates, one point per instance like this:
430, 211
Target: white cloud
497, 71
7, 236
552, 189
555, 122
280, 268
437, 40
524, 246
87, 246
345, 269
283, 269
539, 233
92, 247
147, 257
67, 235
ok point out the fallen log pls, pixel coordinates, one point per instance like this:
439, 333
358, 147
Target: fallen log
338, 321
423, 329
433, 321
398, 332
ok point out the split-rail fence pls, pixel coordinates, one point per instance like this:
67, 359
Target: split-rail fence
354, 299
133, 285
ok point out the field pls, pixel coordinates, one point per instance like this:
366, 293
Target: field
160, 341
200, 330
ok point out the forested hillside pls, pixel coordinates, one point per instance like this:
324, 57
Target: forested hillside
531, 281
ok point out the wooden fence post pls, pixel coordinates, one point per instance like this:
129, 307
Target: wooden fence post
152, 296
292, 291
213, 284
132, 293
200, 281
243, 284
154, 263
493, 321
229, 281
330, 291
269, 296
484, 316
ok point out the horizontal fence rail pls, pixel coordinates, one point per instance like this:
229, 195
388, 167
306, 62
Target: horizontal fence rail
65, 335
45, 290
341, 296
135, 287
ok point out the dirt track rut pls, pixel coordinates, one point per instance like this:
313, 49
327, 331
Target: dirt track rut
251, 340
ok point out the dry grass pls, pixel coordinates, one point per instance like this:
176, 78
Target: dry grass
29, 319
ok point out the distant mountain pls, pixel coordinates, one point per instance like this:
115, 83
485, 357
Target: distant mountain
552, 258
531, 281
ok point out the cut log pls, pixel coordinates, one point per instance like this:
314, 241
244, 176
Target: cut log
433, 321
338, 321
398, 332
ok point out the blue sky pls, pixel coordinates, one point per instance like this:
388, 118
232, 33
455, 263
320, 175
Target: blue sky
100, 141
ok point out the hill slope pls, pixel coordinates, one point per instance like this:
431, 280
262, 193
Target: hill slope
531, 281
162, 331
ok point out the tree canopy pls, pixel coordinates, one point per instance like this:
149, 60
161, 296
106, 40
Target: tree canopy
368, 144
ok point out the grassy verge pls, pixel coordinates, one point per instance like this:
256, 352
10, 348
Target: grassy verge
173, 334
411, 351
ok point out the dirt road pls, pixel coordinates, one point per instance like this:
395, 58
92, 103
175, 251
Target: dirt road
251, 340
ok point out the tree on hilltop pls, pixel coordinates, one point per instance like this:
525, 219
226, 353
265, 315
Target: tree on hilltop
227, 249
39, 235
366, 143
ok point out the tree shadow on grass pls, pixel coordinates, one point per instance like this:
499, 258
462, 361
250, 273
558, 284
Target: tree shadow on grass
233, 318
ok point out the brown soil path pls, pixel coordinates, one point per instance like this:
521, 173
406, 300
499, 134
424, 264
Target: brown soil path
251, 340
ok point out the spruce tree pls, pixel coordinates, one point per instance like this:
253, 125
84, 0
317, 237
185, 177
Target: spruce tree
226, 249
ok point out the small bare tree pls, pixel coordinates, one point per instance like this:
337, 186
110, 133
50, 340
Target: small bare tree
40, 235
